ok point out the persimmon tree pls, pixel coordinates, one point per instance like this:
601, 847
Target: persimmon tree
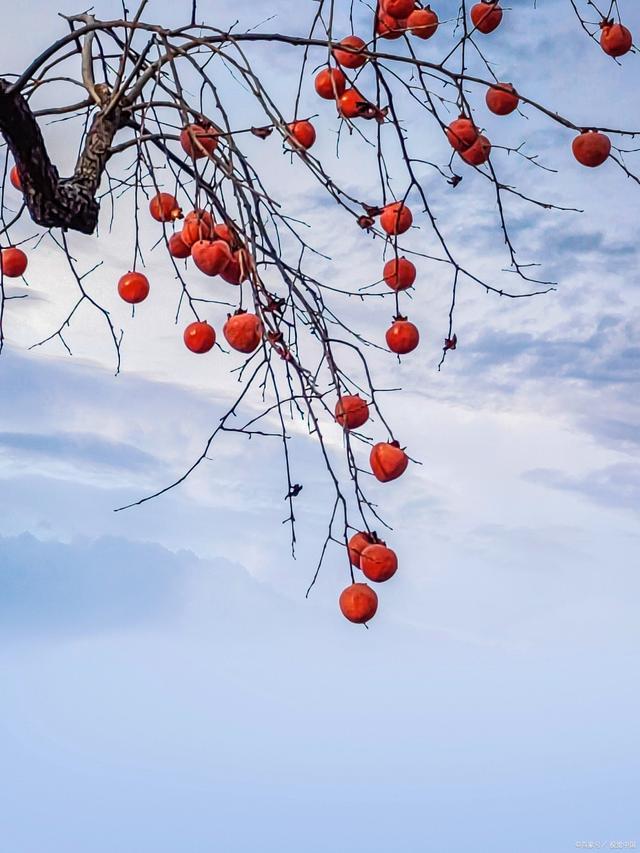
159, 129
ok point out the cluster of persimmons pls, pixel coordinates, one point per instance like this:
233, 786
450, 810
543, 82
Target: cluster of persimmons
216, 248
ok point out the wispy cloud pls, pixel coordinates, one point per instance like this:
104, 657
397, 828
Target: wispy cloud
76, 448
606, 355
614, 486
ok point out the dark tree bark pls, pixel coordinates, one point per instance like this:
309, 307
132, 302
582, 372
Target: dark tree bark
56, 202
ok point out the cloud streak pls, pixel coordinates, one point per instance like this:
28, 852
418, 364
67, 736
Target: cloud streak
614, 486
77, 448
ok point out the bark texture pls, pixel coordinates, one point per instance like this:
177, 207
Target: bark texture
56, 202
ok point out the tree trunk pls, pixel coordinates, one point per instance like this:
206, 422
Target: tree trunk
56, 202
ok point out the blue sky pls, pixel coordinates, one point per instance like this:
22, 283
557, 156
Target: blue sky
166, 686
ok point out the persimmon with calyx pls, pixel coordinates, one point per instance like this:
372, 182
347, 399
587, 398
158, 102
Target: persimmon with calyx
350, 58
388, 461
14, 262
164, 207
486, 16
423, 22
211, 256
221, 231
378, 563
502, 99
14, 177
302, 134
243, 331
198, 141
198, 225
177, 247
351, 104
478, 153
358, 603
461, 133
396, 218
397, 9
615, 39
399, 273
133, 287
238, 268
591, 148
356, 545
199, 337
330, 83
388, 27
402, 336
351, 411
